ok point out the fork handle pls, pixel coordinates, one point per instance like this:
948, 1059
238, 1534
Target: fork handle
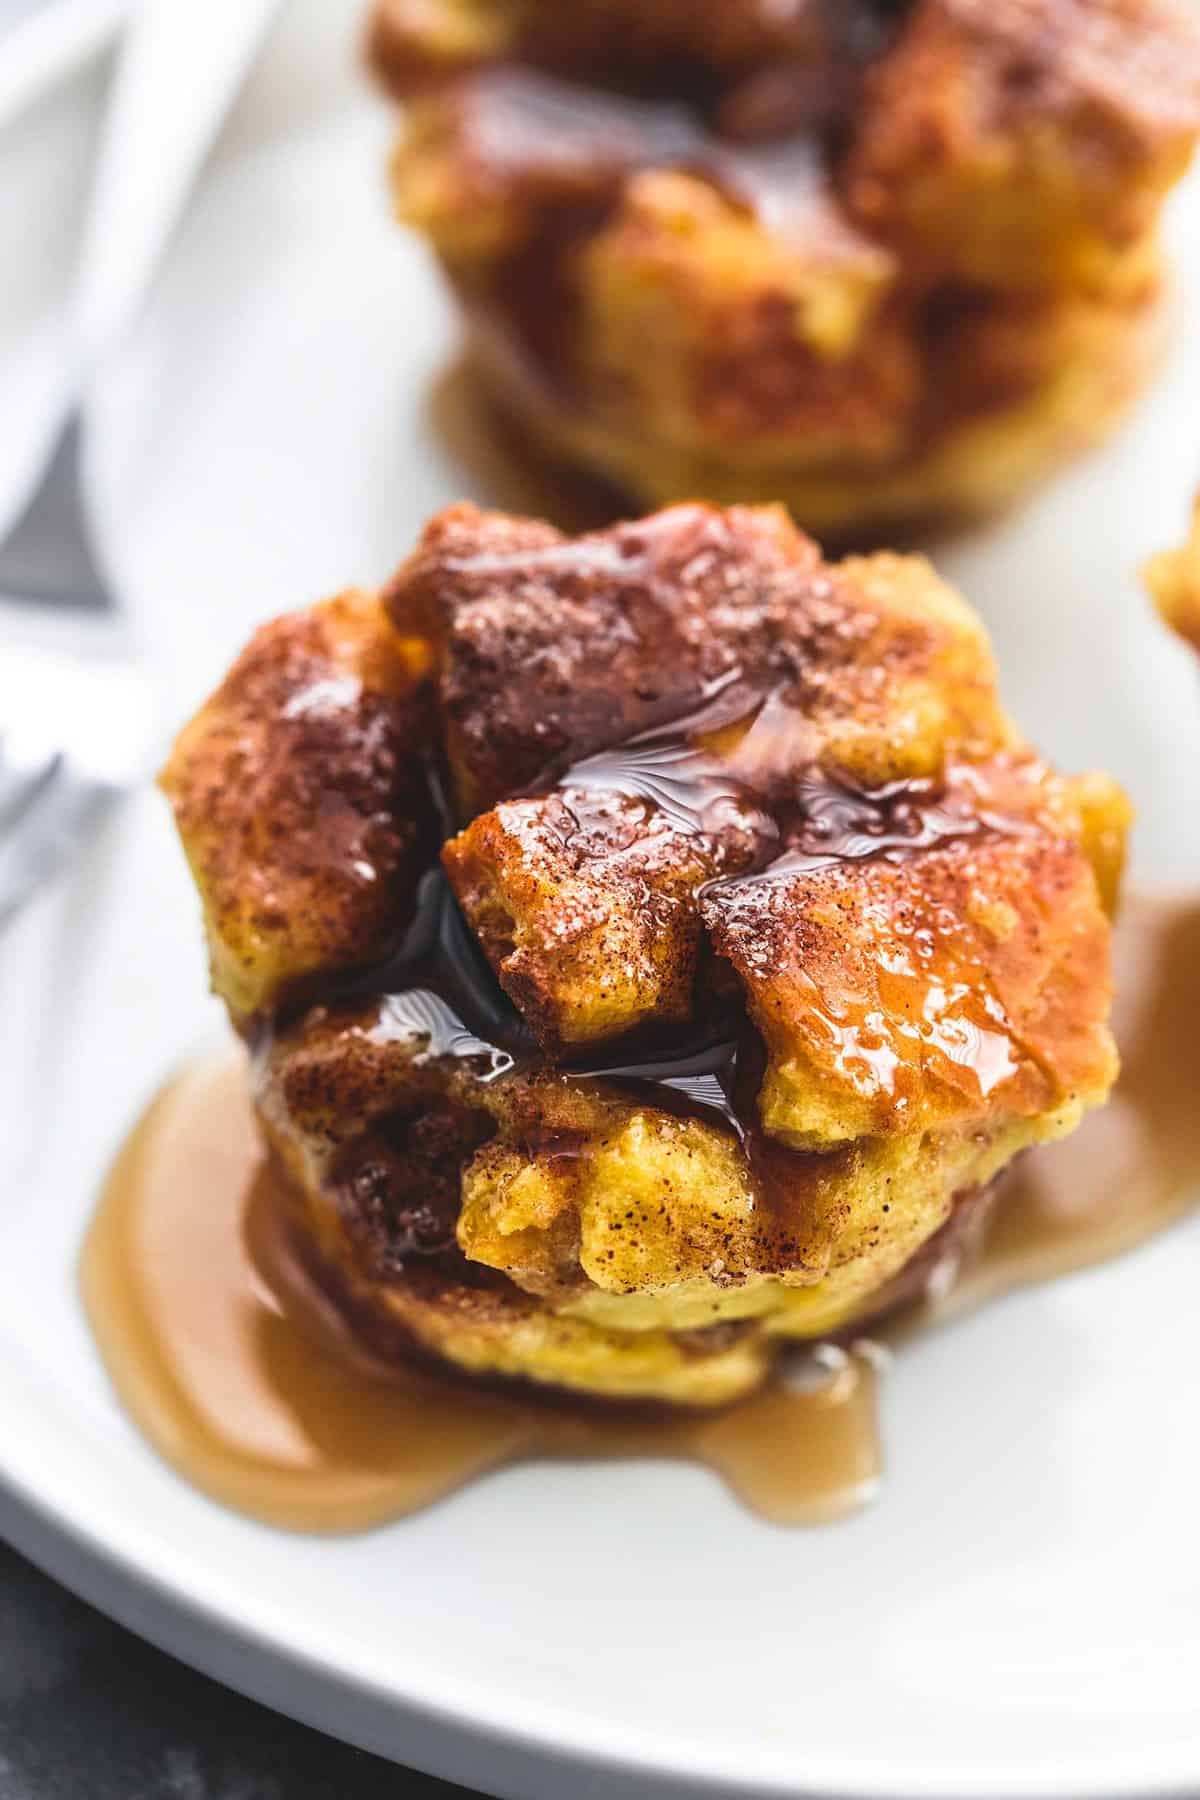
180, 66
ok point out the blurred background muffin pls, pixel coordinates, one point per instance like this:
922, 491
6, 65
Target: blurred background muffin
1173, 578
879, 261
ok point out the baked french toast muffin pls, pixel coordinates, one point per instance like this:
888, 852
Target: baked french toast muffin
1173, 578
651, 946
880, 261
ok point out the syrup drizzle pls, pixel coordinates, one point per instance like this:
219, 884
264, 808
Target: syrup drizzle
725, 771
242, 1374
439, 984
764, 138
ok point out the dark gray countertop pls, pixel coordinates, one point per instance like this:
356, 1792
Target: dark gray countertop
89, 1712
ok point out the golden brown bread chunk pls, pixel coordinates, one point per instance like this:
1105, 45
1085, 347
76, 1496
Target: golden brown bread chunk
300, 797
946, 988
804, 942
1173, 578
873, 261
551, 648
594, 1239
379, 1140
585, 906
583, 899
1027, 144
417, 41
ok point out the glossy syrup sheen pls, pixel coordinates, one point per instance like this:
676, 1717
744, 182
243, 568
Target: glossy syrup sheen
763, 135
439, 986
244, 1376
760, 821
558, 136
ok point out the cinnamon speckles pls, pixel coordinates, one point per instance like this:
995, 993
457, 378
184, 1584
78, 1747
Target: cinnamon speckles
415, 42
299, 794
885, 263
796, 940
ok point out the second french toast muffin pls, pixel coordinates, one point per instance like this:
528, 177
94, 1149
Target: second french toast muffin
651, 946
876, 260
1173, 577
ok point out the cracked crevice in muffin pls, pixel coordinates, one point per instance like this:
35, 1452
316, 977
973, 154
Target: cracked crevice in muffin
877, 261
758, 944
1173, 578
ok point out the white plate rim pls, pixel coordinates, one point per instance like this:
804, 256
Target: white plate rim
148, 1583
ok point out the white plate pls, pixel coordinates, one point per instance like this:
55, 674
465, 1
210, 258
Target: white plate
1020, 1613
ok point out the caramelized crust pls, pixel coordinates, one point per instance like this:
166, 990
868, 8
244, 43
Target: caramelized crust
551, 649
601, 1243
958, 987
376, 1140
585, 907
874, 260
415, 42
584, 899
299, 794
804, 943
1030, 142
1174, 582
777, 346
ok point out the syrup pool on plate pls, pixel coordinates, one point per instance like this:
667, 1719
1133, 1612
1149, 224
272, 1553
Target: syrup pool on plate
242, 1372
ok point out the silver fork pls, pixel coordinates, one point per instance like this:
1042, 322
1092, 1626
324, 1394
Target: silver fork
76, 709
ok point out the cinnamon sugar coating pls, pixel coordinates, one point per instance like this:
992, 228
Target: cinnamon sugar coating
301, 799
412, 42
795, 941
875, 261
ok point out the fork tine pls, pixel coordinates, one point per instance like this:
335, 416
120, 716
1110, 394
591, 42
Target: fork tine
20, 786
78, 727
46, 831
